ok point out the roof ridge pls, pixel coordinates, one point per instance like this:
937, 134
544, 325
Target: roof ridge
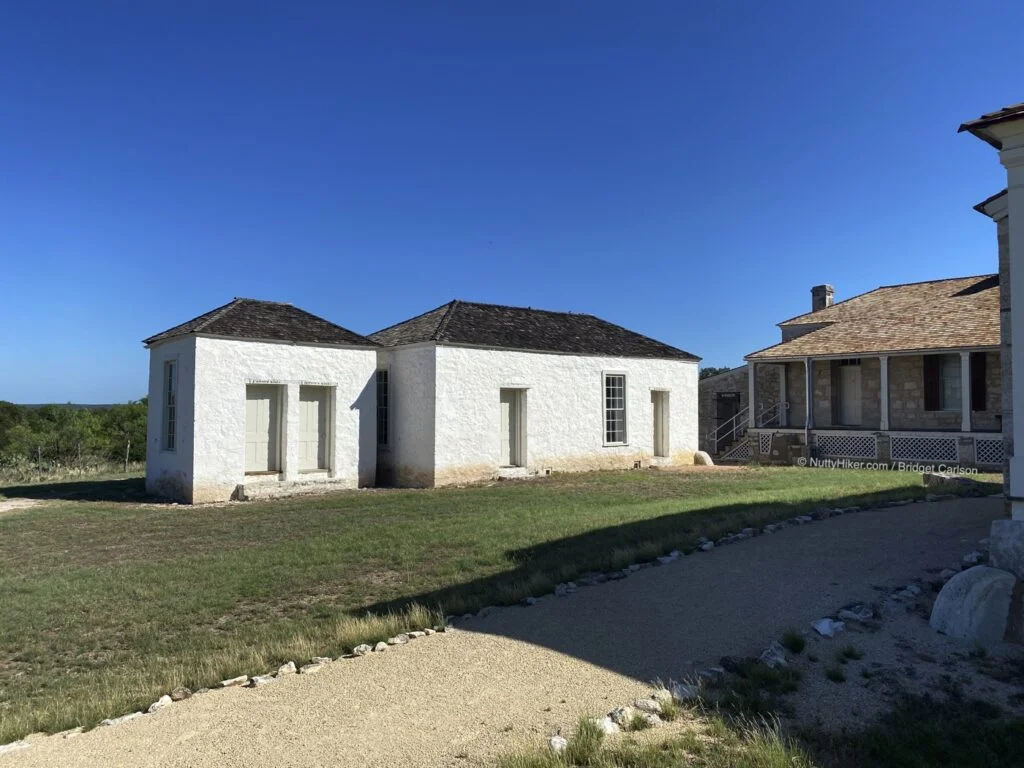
940, 280
409, 319
218, 313
526, 309
442, 324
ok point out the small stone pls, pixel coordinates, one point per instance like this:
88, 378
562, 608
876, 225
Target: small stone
803, 519
618, 575
711, 673
259, 680
975, 605
606, 725
122, 719
286, 669
652, 719
398, 640
16, 746
857, 612
684, 692
70, 733
702, 540
702, 459
310, 669
648, 705
558, 743
707, 546
773, 656
827, 627
428, 631
231, 682
487, 610
363, 648
972, 558
661, 694
321, 660
562, 590
416, 634
665, 559
633, 568
160, 703
528, 601
380, 647
621, 716
180, 693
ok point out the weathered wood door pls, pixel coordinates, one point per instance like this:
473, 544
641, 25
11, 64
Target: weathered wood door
262, 404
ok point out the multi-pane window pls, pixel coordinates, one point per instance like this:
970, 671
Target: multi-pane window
614, 408
382, 407
950, 386
170, 404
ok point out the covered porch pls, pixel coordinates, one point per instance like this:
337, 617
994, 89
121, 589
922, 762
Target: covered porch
914, 407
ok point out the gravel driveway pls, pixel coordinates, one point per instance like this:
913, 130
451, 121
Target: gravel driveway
457, 698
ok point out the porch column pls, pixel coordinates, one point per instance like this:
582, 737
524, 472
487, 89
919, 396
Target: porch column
808, 393
752, 395
883, 367
965, 391
1012, 158
783, 410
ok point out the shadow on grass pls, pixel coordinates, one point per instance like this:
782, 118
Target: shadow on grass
128, 489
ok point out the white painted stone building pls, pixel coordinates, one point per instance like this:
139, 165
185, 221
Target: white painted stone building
259, 398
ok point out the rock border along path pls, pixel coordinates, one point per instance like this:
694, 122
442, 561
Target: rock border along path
562, 591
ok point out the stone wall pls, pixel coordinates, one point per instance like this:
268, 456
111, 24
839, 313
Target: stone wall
906, 398
795, 394
989, 418
734, 381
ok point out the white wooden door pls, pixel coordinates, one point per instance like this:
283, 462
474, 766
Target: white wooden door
509, 427
261, 420
312, 428
849, 395
659, 401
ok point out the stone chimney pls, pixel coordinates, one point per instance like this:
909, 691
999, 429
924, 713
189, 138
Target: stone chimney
821, 297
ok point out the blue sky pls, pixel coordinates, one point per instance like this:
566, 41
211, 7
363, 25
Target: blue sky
686, 170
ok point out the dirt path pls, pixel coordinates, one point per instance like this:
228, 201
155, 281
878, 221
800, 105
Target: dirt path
459, 698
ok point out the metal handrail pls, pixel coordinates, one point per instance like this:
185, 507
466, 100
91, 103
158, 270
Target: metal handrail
736, 427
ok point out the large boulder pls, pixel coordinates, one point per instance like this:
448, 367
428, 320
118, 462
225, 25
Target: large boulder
703, 459
975, 605
1006, 546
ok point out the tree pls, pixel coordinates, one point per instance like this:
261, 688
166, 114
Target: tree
712, 371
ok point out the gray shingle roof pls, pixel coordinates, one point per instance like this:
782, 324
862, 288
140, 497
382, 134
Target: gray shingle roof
266, 321
980, 126
493, 325
956, 313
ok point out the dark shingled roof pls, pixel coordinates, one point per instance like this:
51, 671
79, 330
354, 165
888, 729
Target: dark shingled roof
265, 321
539, 330
977, 127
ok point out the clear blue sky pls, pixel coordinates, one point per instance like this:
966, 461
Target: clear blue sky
688, 170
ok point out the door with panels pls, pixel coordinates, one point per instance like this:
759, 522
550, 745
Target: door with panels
314, 406
262, 428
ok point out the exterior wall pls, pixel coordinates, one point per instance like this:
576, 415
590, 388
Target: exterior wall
826, 391
790, 332
564, 411
733, 381
1005, 365
408, 460
906, 398
796, 394
169, 473
224, 367
989, 419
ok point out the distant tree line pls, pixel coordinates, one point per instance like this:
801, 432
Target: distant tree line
707, 373
71, 435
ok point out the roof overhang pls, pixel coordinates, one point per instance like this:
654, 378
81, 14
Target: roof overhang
880, 353
993, 127
995, 207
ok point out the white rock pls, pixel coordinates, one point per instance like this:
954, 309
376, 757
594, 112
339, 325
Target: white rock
240, 680
827, 627
684, 692
773, 656
606, 724
528, 601
428, 631
14, 746
362, 649
121, 719
398, 640
259, 680
633, 568
651, 718
1007, 540
975, 605
661, 694
972, 558
380, 647
702, 459
286, 669
160, 703
857, 612
558, 743
665, 559
707, 546
803, 519
648, 705
622, 715
321, 660
310, 669
416, 634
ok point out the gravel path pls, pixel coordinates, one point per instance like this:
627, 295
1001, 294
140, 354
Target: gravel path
511, 678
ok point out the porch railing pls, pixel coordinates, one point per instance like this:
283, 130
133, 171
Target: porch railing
729, 432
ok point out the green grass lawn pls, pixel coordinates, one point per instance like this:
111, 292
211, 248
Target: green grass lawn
108, 604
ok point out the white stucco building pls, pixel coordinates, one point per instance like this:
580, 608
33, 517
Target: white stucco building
482, 390
259, 398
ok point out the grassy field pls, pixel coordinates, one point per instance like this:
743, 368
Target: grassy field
109, 602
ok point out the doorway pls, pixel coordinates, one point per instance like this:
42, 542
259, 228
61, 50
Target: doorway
262, 429
313, 408
849, 393
513, 437
659, 401
727, 406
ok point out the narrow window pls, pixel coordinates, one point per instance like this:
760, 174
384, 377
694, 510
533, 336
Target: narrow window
170, 404
382, 408
614, 408
950, 387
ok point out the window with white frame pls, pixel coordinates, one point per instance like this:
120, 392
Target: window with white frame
170, 404
614, 408
950, 391
383, 396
